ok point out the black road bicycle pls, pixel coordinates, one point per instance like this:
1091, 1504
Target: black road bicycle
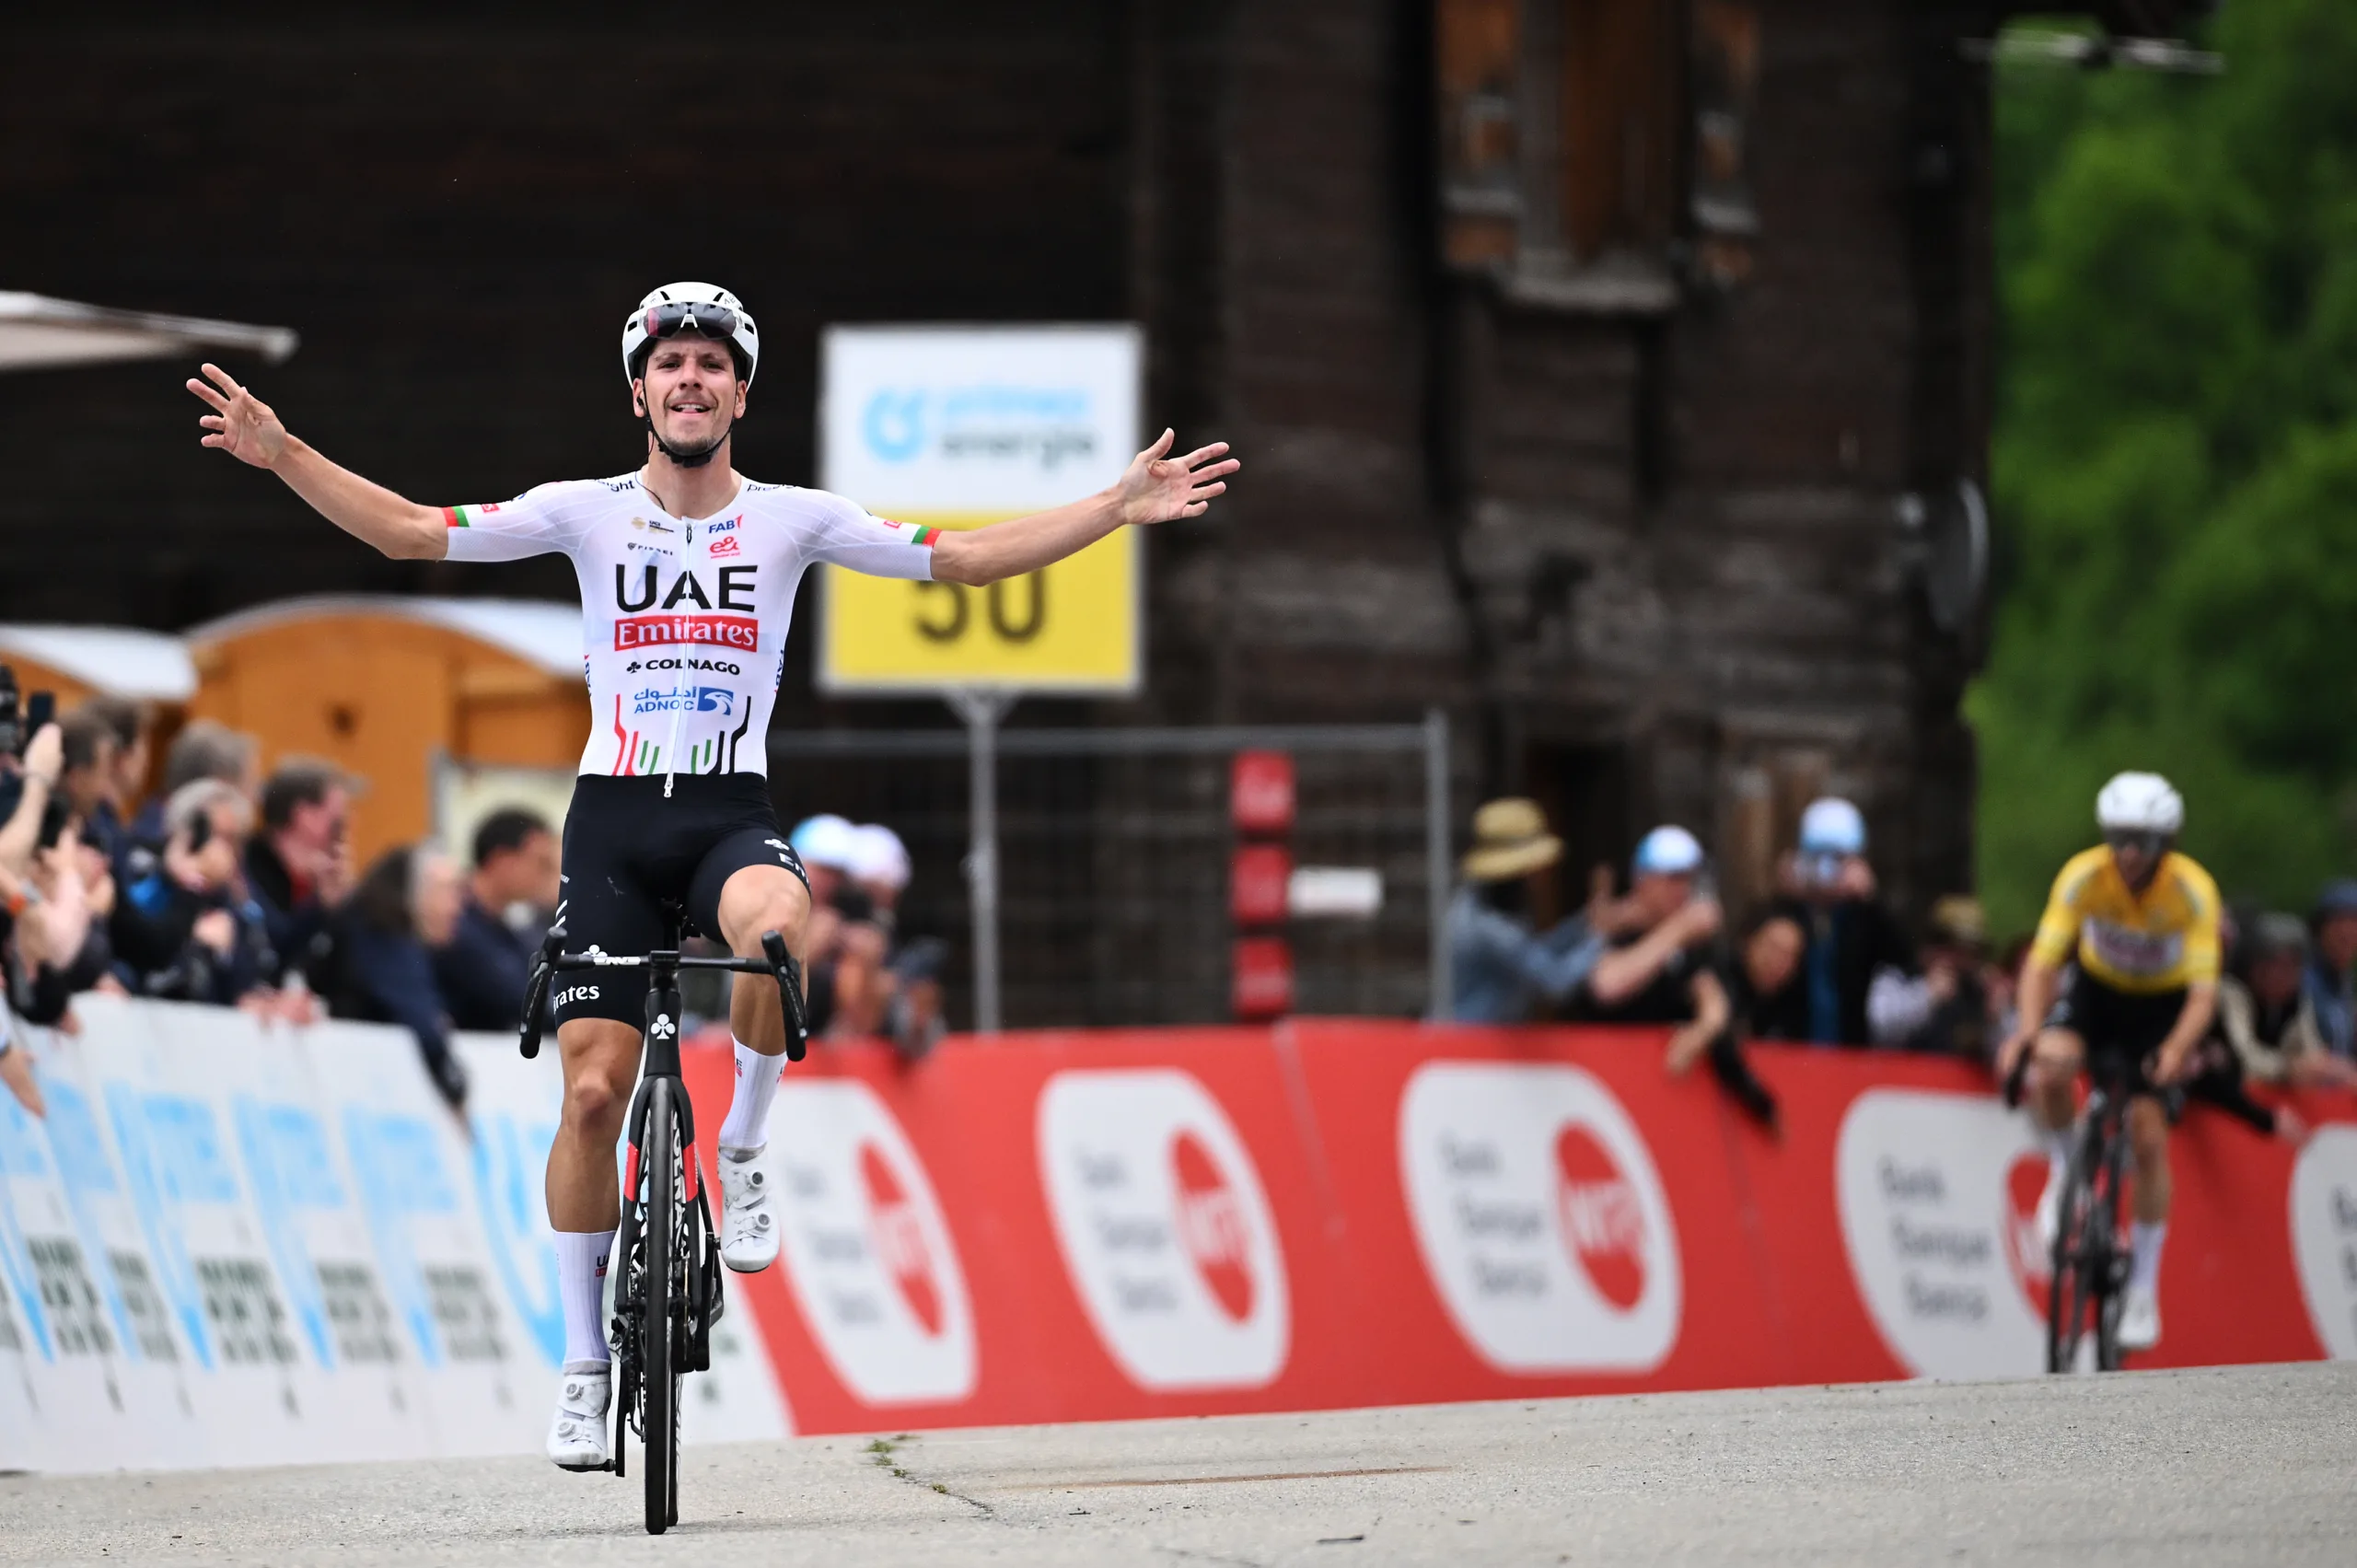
667, 1294
2088, 1272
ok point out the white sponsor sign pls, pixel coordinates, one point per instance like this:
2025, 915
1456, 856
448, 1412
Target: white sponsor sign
1165, 1229
959, 419
227, 1245
959, 427
1540, 1217
1938, 1196
866, 1247
89, 1367
2324, 1235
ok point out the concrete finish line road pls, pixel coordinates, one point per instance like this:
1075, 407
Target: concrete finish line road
2214, 1467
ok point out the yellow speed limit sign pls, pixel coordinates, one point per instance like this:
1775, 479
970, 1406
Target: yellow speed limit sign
955, 428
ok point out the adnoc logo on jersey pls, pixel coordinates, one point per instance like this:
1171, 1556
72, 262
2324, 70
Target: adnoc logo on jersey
867, 1253
1165, 1229
1938, 1196
1540, 1217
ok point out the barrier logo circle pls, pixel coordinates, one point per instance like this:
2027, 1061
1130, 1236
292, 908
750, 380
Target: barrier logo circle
2025, 1248
1212, 1225
1602, 1217
897, 1231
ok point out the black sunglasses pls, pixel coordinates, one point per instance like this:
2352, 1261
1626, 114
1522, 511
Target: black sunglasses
2153, 846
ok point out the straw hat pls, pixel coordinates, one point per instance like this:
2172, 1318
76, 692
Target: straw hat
1510, 840
1958, 918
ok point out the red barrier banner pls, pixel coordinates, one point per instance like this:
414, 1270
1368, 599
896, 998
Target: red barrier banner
1096, 1225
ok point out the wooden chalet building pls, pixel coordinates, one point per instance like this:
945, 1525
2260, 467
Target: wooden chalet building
1610, 374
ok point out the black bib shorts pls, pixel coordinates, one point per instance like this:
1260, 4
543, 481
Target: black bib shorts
627, 849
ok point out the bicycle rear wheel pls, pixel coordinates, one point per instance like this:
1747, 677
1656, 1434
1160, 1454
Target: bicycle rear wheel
659, 1338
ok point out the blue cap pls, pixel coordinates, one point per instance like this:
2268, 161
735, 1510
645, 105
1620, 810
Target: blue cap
1832, 826
2340, 896
1667, 851
824, 839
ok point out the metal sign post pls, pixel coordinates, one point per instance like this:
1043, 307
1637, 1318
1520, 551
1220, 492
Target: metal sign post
980, 708
955, 427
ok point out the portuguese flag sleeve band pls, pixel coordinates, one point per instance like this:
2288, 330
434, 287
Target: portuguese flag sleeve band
457, 517
927, 534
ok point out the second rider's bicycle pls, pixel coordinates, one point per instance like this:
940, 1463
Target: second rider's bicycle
2087, 1270
667, 1291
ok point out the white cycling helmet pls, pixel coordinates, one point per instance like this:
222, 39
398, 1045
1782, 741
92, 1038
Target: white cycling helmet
692, 306
2139, 803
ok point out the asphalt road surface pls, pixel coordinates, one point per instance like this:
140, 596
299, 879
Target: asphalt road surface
2244, 1465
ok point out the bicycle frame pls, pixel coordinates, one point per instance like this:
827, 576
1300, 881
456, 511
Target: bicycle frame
2087, 1275
669, 1294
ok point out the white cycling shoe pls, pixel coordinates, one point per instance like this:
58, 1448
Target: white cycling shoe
578, 1434
747, 1228
2140, 1319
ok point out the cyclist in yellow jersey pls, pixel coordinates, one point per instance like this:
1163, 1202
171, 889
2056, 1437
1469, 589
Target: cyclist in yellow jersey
2125, 964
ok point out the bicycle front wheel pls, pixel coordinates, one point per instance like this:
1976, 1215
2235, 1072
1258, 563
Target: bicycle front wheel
2071, 1295
2108, 1256
658, 1340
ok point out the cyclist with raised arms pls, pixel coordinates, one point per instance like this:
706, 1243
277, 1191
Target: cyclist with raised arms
688, 574
2136, 923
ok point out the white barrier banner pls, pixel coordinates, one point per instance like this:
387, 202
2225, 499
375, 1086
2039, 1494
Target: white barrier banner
228, 1244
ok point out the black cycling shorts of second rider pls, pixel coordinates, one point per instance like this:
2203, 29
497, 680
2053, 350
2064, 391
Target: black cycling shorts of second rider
627, 849
2118, 1024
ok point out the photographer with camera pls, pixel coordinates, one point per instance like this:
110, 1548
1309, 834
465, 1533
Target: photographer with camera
188, 929
31, 758
1858, 969
60, 946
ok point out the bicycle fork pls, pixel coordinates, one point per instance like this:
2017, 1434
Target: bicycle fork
705, 1300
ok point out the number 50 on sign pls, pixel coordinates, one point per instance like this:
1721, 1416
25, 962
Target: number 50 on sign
1070, 628
958, 428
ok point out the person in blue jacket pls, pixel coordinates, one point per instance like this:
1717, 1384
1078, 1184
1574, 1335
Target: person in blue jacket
1501, 967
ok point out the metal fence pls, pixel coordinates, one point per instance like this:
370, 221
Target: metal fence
1112, 850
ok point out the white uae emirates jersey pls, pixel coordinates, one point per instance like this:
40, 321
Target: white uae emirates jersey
684, 619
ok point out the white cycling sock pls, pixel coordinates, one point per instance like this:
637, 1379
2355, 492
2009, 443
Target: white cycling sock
747, 1131
2058, 1152
581, 1256
2144, 1254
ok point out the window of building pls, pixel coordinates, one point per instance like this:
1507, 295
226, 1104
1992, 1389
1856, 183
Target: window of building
1586, 146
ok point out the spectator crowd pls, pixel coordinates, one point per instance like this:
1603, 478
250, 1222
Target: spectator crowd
230, 886
1825, 962
234, 888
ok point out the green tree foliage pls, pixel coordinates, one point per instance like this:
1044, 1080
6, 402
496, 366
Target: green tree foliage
2175, 464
